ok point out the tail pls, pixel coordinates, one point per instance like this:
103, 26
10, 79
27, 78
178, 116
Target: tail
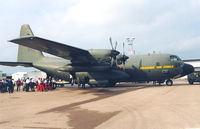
26, 54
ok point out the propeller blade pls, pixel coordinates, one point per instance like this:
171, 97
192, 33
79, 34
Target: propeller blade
123, 48
111, 42
112, 61
115, 45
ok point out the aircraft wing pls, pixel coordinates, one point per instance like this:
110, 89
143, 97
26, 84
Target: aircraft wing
25, 64
76, 55
191, 60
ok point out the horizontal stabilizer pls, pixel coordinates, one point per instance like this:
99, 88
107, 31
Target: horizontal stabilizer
76, 55
25, 64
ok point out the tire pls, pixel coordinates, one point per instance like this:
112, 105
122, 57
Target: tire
169, 82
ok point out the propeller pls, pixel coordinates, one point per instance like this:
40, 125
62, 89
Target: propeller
114, 53
121, 59
124, 57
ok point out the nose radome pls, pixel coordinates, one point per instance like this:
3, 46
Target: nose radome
187, 69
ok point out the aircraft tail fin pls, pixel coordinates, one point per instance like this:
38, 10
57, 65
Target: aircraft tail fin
26, 54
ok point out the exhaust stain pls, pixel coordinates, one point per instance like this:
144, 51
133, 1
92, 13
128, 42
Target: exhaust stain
100, 93
87, 119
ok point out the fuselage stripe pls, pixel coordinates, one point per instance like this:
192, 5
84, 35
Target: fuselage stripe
148, 67
157, 67
168, 66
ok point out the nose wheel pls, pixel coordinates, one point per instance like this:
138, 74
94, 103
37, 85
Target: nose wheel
169, 82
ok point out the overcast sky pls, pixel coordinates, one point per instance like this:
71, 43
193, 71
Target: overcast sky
171, 26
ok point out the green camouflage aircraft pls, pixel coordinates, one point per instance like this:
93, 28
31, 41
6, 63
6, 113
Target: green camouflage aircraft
95, 66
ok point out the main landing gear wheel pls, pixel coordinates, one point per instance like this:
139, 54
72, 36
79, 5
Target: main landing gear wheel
169, 82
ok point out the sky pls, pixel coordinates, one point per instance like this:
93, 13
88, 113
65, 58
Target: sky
171, 26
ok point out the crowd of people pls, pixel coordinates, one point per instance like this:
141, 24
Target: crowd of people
28, 84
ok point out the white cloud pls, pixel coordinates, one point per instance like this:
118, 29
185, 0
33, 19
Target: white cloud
186, 44
166, 26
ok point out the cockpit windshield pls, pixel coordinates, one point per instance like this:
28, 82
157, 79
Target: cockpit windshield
174, 58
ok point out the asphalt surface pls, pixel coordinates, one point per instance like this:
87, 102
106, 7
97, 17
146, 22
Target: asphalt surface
126, 106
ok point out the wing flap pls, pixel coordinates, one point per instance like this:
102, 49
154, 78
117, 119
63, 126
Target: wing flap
76, 55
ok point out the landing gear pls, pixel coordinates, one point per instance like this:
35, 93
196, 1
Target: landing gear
190, 82
83, 85
159, 82
169, 82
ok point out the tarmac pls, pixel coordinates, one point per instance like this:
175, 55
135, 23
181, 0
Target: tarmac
125, 106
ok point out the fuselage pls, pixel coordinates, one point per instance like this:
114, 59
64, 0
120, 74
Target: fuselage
149, 67
154, 67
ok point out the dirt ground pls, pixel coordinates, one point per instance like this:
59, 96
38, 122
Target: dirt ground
126, 106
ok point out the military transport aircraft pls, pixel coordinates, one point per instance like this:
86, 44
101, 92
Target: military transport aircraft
95, 66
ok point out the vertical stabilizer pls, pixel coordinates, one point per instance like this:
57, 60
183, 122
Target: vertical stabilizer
26, 54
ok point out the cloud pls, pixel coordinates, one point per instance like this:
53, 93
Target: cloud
186, 44
165, 26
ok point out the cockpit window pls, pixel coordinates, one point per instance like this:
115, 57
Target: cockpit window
174, 58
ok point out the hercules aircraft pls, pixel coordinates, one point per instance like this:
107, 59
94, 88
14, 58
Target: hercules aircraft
95, 66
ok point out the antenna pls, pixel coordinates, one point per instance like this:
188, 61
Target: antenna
130, 44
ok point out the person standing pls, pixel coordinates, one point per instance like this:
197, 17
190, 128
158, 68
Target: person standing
50, 84
23, 83
4, 85
18, 84
42, 84
13, 81
53, 84
31, 84
27, 84
10, 86
70, 78
38, 84
45, 84
1, 87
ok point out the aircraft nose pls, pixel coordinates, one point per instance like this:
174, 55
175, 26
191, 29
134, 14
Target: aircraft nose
187, 69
